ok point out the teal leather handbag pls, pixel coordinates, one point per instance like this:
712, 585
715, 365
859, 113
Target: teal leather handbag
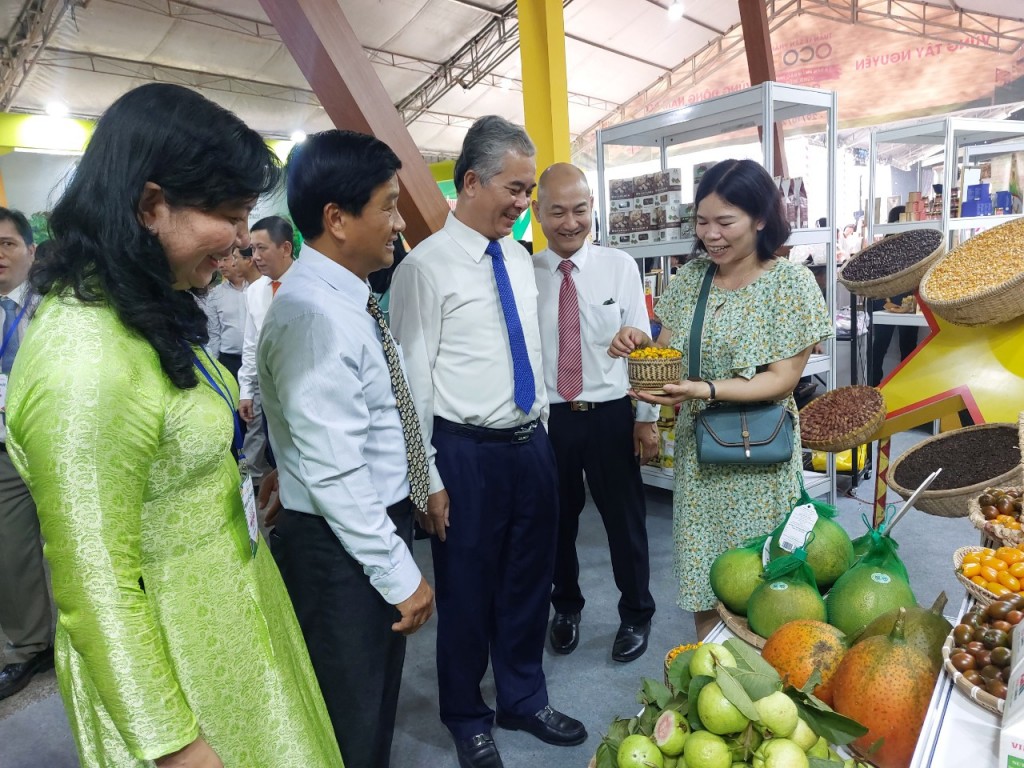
735, 433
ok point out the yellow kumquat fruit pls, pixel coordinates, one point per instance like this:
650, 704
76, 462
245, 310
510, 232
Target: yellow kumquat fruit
997, 589
979, 580
972, 557
988, 573
1009, 581
994, 562
971, 569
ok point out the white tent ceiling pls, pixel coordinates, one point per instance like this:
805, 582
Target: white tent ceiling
228, 49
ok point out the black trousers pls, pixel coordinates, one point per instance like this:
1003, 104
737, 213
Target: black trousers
357, 657
230, 361
492, 575
599, 443
881, 337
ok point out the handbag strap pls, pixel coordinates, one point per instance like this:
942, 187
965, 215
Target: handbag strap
697, 326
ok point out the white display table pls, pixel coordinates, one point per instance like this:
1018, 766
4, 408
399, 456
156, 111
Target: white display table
881, 317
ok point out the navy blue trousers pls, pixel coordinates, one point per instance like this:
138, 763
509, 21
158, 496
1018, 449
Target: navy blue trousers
492, 576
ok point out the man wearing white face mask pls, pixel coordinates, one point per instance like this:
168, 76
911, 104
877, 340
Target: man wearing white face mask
585, 294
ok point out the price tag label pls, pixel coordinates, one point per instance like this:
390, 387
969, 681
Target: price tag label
800, 524
249, 505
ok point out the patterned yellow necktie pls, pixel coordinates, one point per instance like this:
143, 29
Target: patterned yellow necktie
419, 481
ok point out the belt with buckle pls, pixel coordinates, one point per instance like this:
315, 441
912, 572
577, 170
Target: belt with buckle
520, 434
579, 406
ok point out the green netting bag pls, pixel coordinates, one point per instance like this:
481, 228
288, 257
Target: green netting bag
736, 573
829, 549
788, 592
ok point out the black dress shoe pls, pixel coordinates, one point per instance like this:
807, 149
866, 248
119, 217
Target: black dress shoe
478, 752
14, 677
630, 642
565, 632
548, 725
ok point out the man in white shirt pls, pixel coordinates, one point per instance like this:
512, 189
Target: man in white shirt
340, 415
25, 613
464, 307
271, 239
225, 308
586, 293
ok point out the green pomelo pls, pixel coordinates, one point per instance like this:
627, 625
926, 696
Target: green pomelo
863, 594
735, 575
779, 602
829, 552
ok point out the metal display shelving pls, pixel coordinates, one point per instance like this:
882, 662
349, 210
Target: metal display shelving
762, 107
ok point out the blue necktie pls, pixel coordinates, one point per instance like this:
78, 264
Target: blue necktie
10, 318
524, 390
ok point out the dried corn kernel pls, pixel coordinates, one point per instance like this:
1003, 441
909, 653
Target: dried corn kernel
655, 353
985, 261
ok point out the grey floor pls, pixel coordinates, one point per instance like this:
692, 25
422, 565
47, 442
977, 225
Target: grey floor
587, 684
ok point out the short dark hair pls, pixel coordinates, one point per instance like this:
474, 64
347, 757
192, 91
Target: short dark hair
487, 142
245, 253
750, 188
20, 222
277, 227
340, 167
895, 212
202, 156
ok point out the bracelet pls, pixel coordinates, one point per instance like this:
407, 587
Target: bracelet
711, 386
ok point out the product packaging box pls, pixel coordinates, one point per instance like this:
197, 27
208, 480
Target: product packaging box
670, 180
802, 204
669, 235
792, 204
619, 223
978, 192
643, 238
620, 241
645, 202
674, 197
645, 185
640, 221
698, 173
687, 229
1011, 740
625, 204
620, 189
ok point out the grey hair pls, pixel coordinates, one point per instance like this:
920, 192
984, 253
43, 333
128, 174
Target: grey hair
487, 142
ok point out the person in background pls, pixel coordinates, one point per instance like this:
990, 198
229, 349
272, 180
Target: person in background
272, 255
225, 308
464, 309
764, 316
25, 613
247, 269
352, 463
881, 333
586, 293
380, 281
176, 642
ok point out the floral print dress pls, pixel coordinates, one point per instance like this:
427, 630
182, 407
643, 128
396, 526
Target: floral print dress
716, 507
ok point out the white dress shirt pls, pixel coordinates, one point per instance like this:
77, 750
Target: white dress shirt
333, 419
257, 301
20, 296
610, 295
446, 313
225, 308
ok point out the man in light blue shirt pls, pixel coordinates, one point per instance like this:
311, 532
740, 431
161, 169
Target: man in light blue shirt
351, 473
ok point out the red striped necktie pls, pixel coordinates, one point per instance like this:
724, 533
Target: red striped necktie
570, 352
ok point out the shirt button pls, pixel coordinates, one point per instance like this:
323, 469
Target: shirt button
385, 591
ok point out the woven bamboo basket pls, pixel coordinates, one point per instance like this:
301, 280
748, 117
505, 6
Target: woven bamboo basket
651, 375
997, 533
851, 439
979, 696
904, 281
953, 502
990, 306
738, 626
982, 595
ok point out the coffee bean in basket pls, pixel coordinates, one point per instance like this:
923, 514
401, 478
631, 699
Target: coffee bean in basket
892, 254
966, 458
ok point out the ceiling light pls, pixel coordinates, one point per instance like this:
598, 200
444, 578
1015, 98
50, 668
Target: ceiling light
57, 109
297, 136
676, 10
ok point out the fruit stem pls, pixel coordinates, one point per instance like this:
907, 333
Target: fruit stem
939, 604
897, 629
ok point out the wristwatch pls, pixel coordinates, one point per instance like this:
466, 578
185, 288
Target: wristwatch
711, 386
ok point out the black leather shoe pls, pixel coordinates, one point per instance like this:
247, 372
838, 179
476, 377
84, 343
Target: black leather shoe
478, 752
14, 677
548, 725
630, 642
565, 632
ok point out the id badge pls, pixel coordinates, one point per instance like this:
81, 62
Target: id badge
249, 506
3, 392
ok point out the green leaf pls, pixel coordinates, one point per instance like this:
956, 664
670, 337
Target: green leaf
812, 682
654, 692
735, 693
696, 686
634, 725
679, 671
606, 756
617, 731
680, 703
648, 718
874, 747
816, 762
836, 728
757, 677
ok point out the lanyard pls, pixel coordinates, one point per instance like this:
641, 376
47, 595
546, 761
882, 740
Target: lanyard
236, 447
10, 333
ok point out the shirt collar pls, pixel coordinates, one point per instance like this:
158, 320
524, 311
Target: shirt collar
18, 295
471, 241
551, 260
335, 275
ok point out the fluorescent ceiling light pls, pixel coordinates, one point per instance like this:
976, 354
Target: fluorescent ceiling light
298, 136
676, 10
57, 109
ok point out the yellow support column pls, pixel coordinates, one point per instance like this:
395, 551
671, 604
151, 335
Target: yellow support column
545, 86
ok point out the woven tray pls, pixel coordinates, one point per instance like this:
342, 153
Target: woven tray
990, 306
850, 440
898, 282
738, 626
982, 595
997, 532
651, 375
979, 696
953, 502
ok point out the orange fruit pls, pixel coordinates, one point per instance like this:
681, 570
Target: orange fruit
972, 557
799, 647
994, 562
997, 589
1009, 581
972, 569
1017, 569
979, 580
989, 573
